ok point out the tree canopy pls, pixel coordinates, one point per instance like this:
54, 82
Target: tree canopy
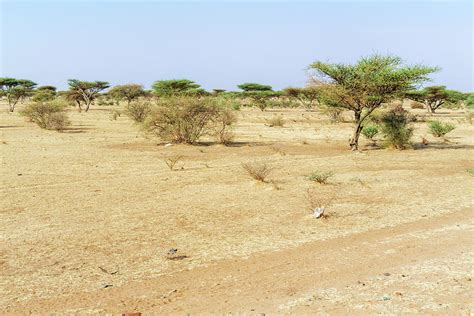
177, 87
366, 85
85, 91
15, 90
250, 86
128, 92
307, 96
435, 96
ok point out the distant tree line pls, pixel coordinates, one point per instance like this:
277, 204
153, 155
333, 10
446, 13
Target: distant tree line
360, 88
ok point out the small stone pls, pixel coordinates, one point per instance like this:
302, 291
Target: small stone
386, 274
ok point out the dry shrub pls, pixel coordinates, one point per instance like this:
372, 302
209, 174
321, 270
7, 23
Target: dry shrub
276, 121
114, 115
223, 122
47, 115
257, 170
182, 119
417, 105
137, 110
172, 161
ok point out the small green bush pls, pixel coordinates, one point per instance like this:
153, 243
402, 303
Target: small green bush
396, 128
439, 129
320, 176
47, 115
370, 131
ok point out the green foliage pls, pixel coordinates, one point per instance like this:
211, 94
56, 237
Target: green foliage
439, 129
396, 128
128, 92
47, 115
137, 110
15, 90
470, 171
366, 85
307, 96
43, 95
182, 119
469, 101
321, 177
177, 87
435, 96
250, 86
85, 92
370, 131
260, 98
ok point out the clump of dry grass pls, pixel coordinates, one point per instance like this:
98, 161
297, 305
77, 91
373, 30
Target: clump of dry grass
276, 121
172, 161
257, 170
320, 200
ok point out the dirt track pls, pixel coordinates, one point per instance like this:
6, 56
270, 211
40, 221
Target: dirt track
370, 264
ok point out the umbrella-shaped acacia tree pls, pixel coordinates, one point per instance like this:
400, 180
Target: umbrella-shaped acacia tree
366, 85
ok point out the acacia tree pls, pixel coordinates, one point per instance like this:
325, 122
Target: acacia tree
85, 92
177, 87
307, 96
251, 86
128, 92
260, 94
44, 94
366, 85
435, 96
15, 90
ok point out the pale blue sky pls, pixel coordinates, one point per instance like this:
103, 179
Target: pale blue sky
222, 44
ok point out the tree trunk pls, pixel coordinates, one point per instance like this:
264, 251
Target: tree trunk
354, 142
87, 107
429, 108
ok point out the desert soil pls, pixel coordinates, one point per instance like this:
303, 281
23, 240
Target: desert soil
88, 215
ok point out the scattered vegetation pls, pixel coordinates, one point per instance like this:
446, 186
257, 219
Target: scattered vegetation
321, 177
440, 129
257, 170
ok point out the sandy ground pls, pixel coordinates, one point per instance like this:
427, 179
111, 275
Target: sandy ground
88, 215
